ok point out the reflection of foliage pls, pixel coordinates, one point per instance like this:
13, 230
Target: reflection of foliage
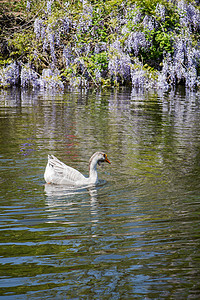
54, 248
76, 40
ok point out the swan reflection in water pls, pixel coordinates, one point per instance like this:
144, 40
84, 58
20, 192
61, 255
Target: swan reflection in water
63, 202
60, 194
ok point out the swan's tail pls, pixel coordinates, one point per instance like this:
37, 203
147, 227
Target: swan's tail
54, 169
55, 163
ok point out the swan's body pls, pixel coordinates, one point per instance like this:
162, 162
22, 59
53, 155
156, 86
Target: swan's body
57, 172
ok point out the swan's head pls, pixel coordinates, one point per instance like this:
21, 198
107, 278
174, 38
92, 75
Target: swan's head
98, 158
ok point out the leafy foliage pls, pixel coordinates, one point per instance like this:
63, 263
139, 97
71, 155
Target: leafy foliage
105, 42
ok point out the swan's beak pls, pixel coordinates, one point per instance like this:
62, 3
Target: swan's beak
107, 160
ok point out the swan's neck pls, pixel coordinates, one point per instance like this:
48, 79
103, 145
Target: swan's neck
93, 172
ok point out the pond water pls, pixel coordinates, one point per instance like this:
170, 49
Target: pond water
137, 234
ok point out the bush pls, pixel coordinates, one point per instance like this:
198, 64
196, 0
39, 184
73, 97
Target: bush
104, 42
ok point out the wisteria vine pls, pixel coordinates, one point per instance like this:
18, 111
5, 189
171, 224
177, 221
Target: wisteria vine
125, 45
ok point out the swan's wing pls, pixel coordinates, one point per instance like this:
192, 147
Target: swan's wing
59, 173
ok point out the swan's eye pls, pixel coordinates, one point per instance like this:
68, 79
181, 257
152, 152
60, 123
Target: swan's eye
105, 156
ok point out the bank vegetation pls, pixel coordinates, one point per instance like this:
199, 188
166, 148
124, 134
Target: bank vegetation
139, 43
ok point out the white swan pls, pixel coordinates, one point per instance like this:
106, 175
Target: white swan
57, 172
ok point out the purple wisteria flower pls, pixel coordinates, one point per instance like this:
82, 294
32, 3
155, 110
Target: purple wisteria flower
119, 63
10, 75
